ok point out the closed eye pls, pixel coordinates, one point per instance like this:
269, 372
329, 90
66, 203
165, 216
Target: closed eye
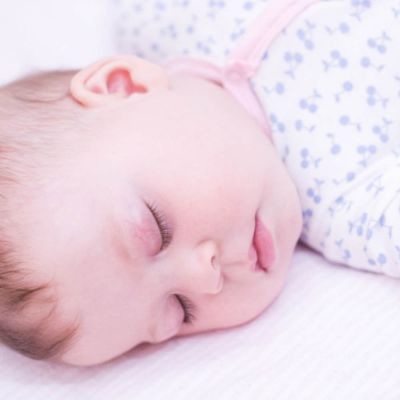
188, 308
165, 232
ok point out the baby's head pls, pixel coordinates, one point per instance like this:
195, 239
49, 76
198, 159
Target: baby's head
123, 186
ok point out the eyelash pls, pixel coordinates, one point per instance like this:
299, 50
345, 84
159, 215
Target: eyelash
188, 308
166, 234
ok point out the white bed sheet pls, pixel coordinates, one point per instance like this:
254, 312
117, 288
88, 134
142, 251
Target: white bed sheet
334, 333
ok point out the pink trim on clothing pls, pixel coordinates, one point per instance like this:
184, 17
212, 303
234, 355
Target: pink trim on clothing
245, 59
265, 29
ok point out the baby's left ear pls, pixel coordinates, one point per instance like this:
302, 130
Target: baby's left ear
116, 79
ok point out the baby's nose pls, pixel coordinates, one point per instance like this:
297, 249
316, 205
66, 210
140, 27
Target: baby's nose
203, 268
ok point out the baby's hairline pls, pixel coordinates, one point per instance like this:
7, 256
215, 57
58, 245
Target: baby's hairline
38, 334
32, 317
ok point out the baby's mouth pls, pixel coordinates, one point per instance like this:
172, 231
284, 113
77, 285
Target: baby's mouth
262, 247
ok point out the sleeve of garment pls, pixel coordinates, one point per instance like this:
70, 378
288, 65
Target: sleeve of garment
364, 232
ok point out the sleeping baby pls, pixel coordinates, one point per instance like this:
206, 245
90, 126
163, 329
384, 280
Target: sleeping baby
162, 193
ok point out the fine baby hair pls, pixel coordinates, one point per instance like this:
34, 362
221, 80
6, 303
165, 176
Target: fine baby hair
36, 116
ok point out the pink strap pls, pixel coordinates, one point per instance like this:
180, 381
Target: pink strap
248, 53
202, 68
240, 88
245, 59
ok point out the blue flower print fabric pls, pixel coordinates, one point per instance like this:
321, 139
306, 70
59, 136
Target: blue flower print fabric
330, 85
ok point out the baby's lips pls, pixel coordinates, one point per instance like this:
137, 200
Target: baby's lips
264, 245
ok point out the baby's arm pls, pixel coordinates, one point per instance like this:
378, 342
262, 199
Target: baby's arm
365, 220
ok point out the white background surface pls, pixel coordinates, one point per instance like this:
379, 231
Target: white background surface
46, 34
333, 334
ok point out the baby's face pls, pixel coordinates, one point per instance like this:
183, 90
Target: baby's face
195, 156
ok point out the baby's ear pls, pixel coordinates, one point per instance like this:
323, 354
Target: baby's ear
116, 79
